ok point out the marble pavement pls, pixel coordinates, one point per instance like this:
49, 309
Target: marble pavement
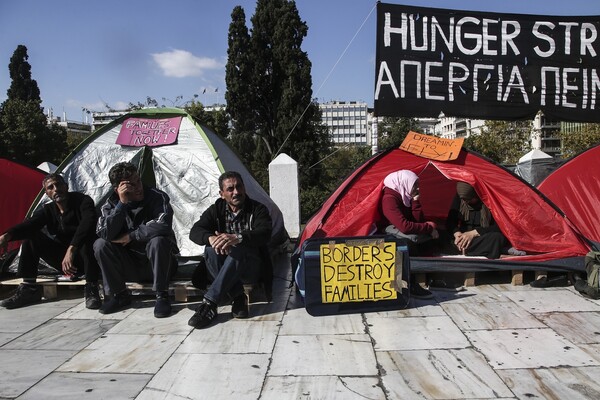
488, 342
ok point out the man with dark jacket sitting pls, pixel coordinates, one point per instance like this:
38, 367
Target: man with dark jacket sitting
235, 231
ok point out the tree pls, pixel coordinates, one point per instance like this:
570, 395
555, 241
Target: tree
217, 120
278, 89
24, 133
392, 131
503, 142
579, 140
239, 98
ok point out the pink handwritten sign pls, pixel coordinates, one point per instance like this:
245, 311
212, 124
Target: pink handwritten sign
139, 132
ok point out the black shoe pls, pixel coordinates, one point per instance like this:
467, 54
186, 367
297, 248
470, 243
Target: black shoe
239, 307
419, 292
117, 302
25, 295
162, 308
92, 296
545, 282
204, 315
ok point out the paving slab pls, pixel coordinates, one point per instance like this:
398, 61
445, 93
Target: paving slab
498, 315
142, 321
556, 300
528, 348
235, 336
553, 383
323, 355
422, 310
321, 387
21, 369
415, 333
23, 319
439, 374
137, 354
77, 386
472, 294
578, 327
62, 335
299, 322
209, 376
80, 312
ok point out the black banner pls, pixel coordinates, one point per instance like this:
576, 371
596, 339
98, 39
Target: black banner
486, 65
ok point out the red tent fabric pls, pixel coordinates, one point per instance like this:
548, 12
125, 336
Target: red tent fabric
575, 188
526, 217
21, 184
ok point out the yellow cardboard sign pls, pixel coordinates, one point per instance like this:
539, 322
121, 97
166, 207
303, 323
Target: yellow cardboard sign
357, 272
432, 147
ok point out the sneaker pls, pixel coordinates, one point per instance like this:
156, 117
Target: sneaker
25, 295
419, 292
239, 307
92, 296
514, 252
162, 308
204, 315
117, 302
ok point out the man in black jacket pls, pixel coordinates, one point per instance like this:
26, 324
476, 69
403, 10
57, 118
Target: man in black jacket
235, 231
136, 240
69, 219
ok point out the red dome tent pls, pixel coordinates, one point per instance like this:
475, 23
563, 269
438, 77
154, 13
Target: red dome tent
21, 184
526, 217
575, 188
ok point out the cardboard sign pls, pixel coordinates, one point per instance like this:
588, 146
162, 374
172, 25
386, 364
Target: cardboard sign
356, 272
139, 132
432, 147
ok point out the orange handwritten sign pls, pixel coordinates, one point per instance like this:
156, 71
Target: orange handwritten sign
432, 147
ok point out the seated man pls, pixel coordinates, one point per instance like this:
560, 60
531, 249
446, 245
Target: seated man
136, 241
235, 231
69, 219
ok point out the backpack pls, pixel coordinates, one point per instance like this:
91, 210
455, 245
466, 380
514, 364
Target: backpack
592, 267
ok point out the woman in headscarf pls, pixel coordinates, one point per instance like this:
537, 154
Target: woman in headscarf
404, 217
471, 222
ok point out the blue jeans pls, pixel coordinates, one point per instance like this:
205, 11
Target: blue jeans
230, 272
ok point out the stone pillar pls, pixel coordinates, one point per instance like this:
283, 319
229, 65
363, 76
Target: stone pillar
285, 192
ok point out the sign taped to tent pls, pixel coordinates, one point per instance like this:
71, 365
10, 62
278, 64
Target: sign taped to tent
139, 132
357, 271
432, 147
486, 65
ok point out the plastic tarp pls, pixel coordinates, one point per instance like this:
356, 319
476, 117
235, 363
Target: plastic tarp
575, 188
535, 166
20, 184
187, 171
527, 218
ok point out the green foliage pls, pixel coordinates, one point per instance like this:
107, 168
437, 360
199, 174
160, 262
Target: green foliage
392, 131
24, 133
269, 91
504, 142
217, 120
334, 169
22, 87
579, 140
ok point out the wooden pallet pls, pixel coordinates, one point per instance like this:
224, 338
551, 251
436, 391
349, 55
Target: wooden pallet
470, 278
181, 289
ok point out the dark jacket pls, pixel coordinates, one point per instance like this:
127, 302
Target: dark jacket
144, 220
258, 236
455, 221
407, 220
74, 227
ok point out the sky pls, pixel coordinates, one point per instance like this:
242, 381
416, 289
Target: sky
90, 54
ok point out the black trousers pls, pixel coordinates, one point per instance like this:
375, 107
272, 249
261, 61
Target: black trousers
488, 245
53, 252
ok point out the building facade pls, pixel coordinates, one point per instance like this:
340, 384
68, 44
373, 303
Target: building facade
348, 122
